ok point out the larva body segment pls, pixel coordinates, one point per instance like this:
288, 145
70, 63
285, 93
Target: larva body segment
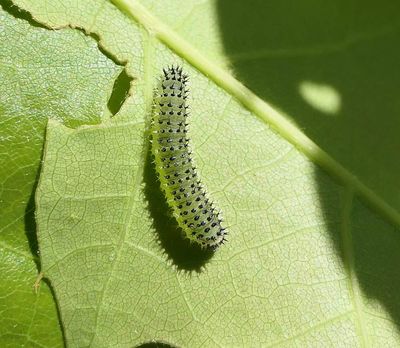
191, 206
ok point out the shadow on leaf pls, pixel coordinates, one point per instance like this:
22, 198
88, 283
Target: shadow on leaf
330, 67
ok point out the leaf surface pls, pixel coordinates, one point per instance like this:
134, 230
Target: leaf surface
44, 74
308, 263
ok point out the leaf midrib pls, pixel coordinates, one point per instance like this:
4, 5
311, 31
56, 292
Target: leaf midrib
256, 105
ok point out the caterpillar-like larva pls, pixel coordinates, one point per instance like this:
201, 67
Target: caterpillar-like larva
180, 182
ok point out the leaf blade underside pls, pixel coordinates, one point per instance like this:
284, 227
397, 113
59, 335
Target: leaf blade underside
306, 263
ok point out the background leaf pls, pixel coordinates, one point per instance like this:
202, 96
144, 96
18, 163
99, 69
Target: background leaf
346, 51
44, 74
307, 263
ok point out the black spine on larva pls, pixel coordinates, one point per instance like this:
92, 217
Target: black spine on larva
194, 211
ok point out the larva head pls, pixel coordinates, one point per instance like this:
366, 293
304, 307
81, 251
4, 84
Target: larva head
179, 178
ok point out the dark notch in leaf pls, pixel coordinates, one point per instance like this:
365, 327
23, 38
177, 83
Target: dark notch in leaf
30, 222
122, 83
155, 345
120, 92
15, 11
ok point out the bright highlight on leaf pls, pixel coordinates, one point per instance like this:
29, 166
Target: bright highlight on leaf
321, 97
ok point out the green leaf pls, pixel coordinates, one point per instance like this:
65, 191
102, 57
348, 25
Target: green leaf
312, 254
346, 51
44, 74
